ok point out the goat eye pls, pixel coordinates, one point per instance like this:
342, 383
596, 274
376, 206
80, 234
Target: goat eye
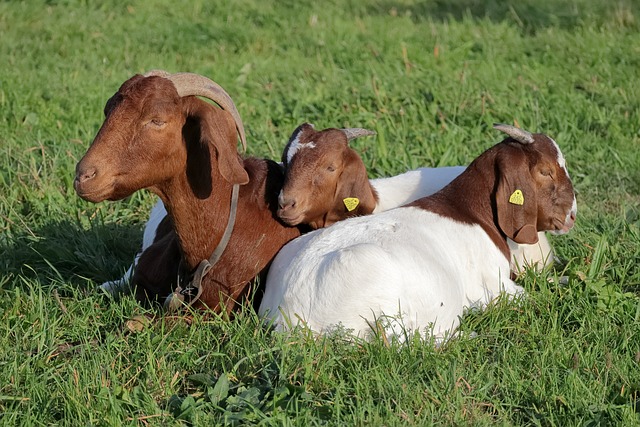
157, 122
331, 168
545, 172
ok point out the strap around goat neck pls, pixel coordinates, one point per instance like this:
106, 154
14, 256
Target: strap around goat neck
192, 292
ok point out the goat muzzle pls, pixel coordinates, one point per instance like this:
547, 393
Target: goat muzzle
84, 182
91, 185
285, 203
564, 225
85, 175
569, 222
287, 210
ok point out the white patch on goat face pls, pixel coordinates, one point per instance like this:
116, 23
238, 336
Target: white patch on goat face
574, 208
569, 219
560, 157
296, 146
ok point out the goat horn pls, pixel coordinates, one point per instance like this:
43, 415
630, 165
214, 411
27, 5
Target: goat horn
518, 134
353, 133
188, 84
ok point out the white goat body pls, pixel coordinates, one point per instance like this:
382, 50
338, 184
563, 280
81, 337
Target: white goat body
407, 267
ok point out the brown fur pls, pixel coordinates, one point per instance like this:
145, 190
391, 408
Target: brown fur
184, 150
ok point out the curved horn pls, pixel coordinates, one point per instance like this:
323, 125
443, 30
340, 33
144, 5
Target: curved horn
353, 133
518, 134
188, 84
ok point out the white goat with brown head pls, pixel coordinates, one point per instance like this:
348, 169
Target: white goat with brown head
420, 265
326, 181
158, 135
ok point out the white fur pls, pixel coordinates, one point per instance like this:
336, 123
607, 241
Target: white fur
537, 256
412, 269
296, 145
560, 158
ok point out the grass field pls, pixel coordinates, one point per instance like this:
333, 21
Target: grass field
430, 77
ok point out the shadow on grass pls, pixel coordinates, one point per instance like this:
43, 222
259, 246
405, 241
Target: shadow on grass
530, 15
64, 252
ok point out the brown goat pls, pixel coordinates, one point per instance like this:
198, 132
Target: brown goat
158, 135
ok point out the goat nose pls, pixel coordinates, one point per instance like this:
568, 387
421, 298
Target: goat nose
285, 203
85, 175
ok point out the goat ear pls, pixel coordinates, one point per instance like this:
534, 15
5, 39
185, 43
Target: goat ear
218, 128
516, 199
354, 190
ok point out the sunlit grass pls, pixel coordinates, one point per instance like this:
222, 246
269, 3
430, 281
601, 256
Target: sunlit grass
430, 78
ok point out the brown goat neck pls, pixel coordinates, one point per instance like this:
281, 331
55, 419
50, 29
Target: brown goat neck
256, 238
199, 220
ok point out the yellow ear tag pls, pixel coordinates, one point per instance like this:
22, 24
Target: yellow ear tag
517, 198
351, 203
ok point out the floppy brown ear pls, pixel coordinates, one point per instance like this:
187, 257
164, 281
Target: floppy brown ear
218, 129
354, 184
516, 198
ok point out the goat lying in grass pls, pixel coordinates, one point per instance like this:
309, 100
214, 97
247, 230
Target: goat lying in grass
417, 267
158, 135
326, 181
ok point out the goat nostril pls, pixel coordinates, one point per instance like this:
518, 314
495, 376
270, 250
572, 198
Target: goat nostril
86, 175
285, 204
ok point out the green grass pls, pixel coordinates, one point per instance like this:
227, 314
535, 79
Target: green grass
430, 77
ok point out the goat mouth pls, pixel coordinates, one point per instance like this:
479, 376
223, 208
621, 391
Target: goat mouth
289, 219
562, 226
93, 195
